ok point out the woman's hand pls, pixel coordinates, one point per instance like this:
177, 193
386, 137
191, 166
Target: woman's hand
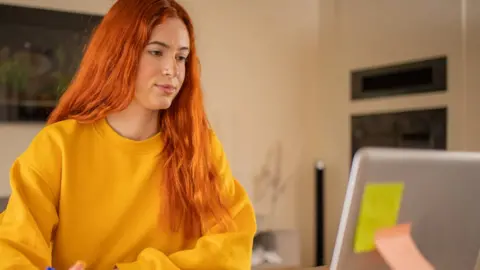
78, 266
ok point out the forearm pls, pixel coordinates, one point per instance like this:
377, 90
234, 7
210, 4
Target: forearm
230, 251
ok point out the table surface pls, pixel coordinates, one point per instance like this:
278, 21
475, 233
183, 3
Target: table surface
306, 268
296, 268
315, 268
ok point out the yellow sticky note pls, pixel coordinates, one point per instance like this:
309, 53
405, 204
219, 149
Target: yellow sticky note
378, 210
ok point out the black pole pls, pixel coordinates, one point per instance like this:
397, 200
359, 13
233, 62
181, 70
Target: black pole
320, 204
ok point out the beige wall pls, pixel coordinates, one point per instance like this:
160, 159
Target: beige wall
257, 70
472, 75
278, 70
358, 34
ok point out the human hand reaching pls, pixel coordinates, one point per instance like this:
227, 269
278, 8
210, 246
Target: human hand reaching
78, 266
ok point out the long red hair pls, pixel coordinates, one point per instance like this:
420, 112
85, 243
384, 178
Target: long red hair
104, 83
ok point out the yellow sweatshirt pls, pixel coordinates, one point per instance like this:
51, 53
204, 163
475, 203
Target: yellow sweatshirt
83, 192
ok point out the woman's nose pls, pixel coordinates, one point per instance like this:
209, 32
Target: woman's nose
170, 67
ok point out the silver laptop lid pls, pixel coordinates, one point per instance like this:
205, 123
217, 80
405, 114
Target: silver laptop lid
441, 198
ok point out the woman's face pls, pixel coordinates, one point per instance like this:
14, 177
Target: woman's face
162, 65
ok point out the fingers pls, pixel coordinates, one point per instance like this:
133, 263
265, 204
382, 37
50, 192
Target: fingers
78, 266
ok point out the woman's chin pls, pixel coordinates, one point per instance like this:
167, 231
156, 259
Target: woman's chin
161, 104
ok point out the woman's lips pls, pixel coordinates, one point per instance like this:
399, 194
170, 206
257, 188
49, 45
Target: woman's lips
166, 88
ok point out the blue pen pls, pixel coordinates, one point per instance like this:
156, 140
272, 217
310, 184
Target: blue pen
50, 268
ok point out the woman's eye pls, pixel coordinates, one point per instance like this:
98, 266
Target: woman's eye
181, 58
156, 53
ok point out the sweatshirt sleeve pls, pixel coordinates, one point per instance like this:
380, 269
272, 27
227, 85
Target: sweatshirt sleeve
27, 224
219, 251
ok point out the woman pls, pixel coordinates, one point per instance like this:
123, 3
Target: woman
127, 173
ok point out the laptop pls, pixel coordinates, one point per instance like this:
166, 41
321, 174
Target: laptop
441, 201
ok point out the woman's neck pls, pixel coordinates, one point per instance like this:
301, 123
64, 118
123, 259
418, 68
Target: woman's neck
135, 122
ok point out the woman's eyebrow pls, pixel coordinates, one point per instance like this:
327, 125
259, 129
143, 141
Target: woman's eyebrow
165, 45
